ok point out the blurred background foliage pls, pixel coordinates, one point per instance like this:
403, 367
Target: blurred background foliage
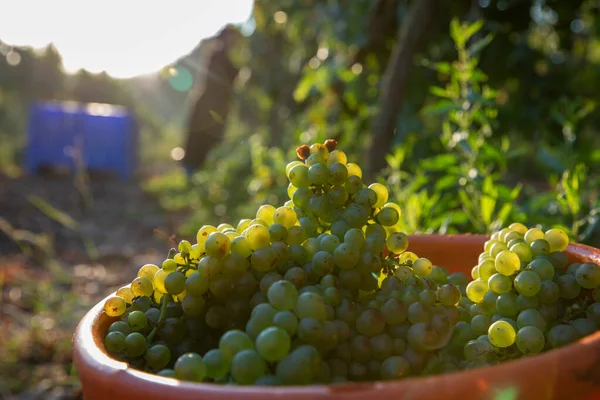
496, 121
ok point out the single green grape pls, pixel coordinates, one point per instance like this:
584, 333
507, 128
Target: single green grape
115, 306
189, 367
501, 334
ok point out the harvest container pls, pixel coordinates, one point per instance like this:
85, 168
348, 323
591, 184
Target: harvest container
571, 372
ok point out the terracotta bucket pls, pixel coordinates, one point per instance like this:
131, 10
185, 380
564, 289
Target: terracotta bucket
571, 372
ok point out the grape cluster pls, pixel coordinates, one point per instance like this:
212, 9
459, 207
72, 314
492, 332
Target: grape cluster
525, 297
323, 290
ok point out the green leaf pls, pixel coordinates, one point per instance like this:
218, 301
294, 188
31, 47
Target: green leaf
441, 107
456, 32
438, 91
480, 44
473, 29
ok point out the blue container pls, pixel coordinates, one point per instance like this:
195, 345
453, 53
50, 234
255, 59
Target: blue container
98, 137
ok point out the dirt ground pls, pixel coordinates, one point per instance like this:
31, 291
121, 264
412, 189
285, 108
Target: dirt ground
64, 246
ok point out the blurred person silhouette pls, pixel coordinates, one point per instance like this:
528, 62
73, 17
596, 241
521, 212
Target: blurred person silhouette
211, 102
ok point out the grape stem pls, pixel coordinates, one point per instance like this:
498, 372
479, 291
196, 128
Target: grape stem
163, 312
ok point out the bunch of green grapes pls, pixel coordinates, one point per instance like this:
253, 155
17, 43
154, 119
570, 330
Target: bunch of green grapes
320, 289
527, 298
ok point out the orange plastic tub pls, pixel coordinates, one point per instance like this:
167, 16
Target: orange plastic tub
571, 372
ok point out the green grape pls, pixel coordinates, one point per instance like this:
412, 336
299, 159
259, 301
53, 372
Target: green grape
135, 344
593, 312
142, 287
137, 320
370, 322
523, 251
501, 334
531, 317
557, 239
438, 274
489, 301
301, 197
115, 306
568, 286
125, 293
512, 235
175, 283
338, 173
291, 189
338, 156
539, 246
298, 176
353, 184
286, 320
318, 174
274, 343
507, 262
428, 297
258, 236
267, 380
486, 269
208, 266
477, 350
241, 246
381, 192
506, 304
193, 305
476, 290
561, 335
310, 226
310, 330
269, 279
337, 196
422, 267
375, 244
141, 304
291, 165
528, 283
480, 324
588, 275
532, 235
158, 356
115, 342
332, 296
518, 227
395, 367
497, 248
394, 311
500, 283
328, 243
203, 233
217, 245
355, 238
584, 326
147, 271
278, 233
189, 367
310, 305
166, 373
543, 268
299, 367
397, 242
354, 170
234, 341
382, 346
263, 259
285, 216
572, 269
355, 215
448, 295
296, 236
220, 287
502, 234
365, 197
323, 263
549, 292
283, 295
360, 348
120, 326
262, 315
530, 340
217, 364
345, 256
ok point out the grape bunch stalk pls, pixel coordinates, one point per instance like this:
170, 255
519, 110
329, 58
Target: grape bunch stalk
323, 290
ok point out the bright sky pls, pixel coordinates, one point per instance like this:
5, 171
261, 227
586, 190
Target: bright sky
122, 37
